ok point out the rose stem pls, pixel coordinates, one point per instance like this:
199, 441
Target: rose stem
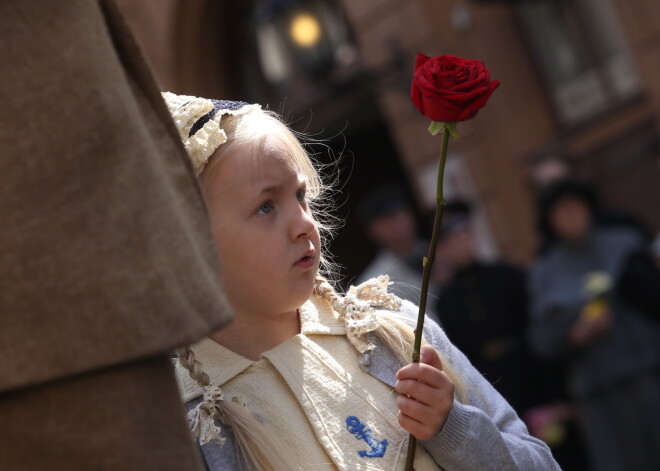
428, 263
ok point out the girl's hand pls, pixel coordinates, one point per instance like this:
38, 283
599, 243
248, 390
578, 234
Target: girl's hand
426, 395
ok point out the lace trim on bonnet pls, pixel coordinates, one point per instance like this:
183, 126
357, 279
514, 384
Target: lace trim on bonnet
357, 309
187, 111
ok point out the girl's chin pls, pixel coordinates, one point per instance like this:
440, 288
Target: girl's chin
299, 292
302, 295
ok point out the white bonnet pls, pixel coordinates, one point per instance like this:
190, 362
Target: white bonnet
198, 122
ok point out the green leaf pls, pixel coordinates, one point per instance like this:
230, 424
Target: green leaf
451, 128
436, 127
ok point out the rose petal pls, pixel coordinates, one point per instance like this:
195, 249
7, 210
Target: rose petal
420, 60
450, 88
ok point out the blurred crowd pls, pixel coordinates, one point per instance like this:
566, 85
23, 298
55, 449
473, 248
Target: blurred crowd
571, 341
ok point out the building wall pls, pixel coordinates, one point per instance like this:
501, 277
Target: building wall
519, 118
153, 23
641, 22
515, 120
192, 52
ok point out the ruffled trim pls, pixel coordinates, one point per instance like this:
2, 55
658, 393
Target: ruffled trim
205, 416
186, 110
357, 309
203, 144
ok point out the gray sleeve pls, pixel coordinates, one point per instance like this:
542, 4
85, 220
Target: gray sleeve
482, 432
217, 455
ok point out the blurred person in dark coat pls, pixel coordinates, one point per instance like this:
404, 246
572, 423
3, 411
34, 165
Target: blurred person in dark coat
390, 223
585, 310
107, 261
552, 165
483, 308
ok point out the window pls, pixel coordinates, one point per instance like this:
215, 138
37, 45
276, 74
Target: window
581, 53
301, 40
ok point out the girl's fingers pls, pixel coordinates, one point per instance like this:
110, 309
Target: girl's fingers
437, 399
424, 373
418, 429
417, 390
420, 419
414, 409
430, 356
426, 395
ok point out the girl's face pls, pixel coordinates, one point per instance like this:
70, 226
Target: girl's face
269, 244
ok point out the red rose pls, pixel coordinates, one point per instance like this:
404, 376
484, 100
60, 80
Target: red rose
449, 89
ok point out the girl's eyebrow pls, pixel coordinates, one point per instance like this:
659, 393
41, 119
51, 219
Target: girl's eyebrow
271, 189
277, 187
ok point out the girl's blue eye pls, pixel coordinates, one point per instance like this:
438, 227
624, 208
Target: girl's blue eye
265, 208
300, 195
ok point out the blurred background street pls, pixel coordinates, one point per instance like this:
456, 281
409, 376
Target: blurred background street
578, 77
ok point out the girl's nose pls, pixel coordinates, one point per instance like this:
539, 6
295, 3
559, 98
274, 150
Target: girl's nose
303, 223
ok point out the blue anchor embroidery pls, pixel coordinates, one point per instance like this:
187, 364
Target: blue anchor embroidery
358, 429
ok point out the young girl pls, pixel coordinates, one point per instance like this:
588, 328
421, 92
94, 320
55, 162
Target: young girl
307, 379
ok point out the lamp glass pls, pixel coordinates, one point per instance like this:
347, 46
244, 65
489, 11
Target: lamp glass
305, 30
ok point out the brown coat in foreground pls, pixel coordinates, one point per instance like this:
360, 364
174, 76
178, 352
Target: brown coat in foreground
106, 258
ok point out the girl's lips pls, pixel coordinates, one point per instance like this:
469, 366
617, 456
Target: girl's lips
306, 261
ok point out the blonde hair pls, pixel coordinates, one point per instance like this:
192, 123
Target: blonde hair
257, 450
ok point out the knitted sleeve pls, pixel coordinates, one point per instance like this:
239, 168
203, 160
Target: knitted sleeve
483, 432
